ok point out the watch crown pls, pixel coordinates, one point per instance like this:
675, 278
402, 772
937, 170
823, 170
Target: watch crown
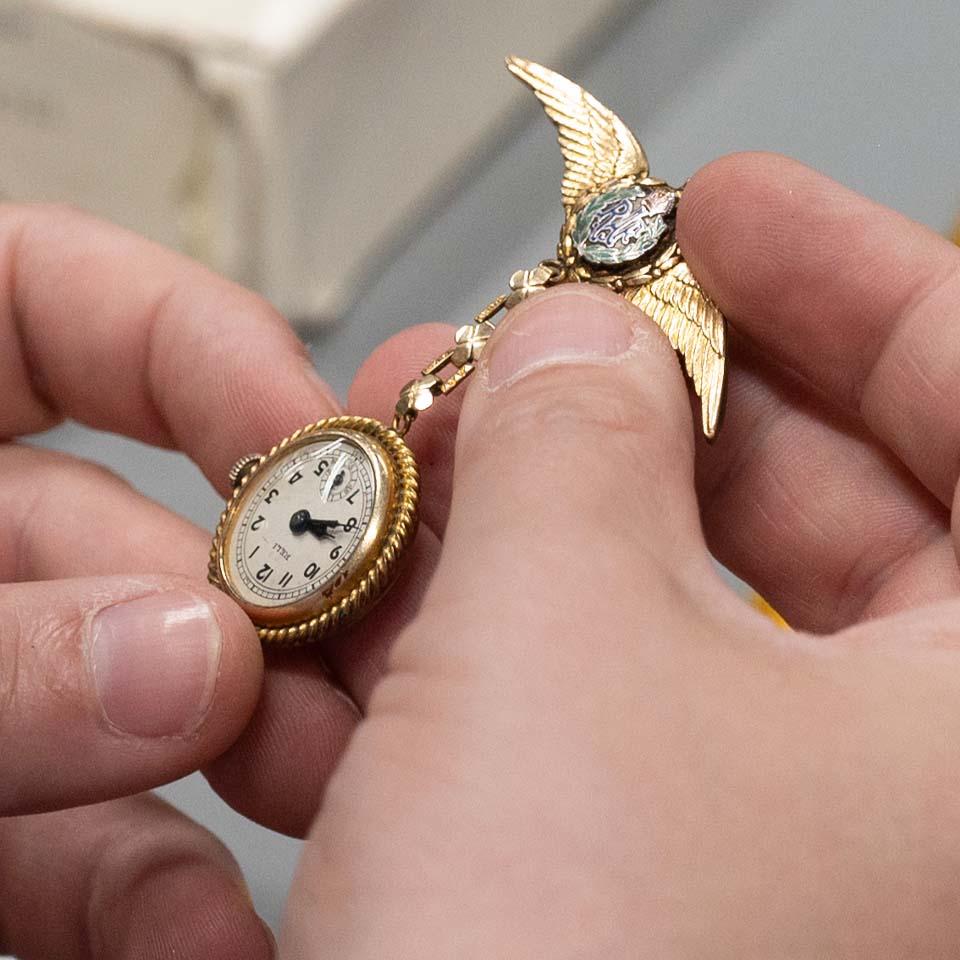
239, 471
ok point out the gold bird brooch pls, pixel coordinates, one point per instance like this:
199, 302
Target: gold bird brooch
619, 232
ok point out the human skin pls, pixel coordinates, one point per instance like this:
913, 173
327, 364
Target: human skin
584, 745
563, 736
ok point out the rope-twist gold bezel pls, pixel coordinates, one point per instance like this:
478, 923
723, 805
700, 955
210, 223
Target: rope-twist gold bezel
377, 577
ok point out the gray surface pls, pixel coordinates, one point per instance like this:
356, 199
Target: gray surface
865, 91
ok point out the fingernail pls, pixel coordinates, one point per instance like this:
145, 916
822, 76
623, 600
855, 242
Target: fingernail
568, 325
154, 662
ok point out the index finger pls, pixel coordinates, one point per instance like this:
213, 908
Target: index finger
854, 297
107, 328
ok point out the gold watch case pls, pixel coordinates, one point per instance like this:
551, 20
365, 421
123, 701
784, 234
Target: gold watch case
374, 563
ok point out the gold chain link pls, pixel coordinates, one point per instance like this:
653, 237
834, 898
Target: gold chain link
418, 395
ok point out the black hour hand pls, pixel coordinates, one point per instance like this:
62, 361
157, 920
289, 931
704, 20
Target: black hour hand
301, 522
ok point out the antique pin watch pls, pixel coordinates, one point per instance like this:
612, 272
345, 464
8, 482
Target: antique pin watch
316, 529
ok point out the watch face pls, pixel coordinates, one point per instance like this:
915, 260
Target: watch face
304, 521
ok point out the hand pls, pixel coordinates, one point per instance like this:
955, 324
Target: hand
301, 522
132, 671
584, 745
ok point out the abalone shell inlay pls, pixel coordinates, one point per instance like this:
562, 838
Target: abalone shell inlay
623, 224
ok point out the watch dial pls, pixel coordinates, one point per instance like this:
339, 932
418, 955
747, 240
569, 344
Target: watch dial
302, 522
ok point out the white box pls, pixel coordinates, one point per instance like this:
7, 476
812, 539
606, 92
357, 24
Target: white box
287, 143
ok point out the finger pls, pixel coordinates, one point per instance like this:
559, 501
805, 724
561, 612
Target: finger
574, 481
801, 502
193, 361
317, 696
112, 685
857, 299
955, 524
128, 880
312, 701
63, 529
928, 576
276, 771
64, 517
433, 437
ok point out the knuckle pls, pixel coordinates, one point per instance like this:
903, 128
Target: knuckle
37, 653
39, 678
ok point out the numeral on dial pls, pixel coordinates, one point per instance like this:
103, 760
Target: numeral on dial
285, 579
321, 466
335, 552
311, 571
353, 496
297, 476
263, 574
271, 495
258, 523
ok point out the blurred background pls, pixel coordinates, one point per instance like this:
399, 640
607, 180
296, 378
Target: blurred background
370, 165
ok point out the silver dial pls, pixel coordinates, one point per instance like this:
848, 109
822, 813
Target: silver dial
302, 523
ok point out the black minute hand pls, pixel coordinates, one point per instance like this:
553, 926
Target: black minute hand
301, 522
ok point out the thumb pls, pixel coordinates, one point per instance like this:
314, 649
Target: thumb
573, 546
574, 466
114, 685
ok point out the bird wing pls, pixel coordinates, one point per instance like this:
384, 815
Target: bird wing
696, 328
597, 145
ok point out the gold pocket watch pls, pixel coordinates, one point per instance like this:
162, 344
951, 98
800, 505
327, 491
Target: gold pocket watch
316, 529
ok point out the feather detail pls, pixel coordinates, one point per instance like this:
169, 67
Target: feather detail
596, 144
695, 327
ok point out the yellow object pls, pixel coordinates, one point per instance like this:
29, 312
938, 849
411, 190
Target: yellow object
758, 603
